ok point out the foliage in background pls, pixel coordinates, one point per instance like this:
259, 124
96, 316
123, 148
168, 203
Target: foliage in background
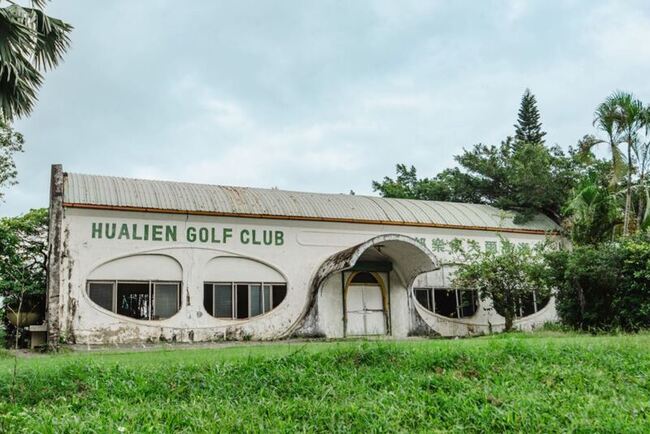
23, 261
507, 276
593, 214
572, 188
23, 253
449, 185
625, 121
521, 174
603, 286
528, 128
584, 279
631, 303
11, 142
30, 43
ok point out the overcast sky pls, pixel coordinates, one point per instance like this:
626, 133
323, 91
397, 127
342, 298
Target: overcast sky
317, 95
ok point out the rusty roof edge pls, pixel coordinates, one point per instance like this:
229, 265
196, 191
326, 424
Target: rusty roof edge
308, 218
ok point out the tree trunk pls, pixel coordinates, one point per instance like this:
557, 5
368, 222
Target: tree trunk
509, 309
641, 207
628, 192
16, 341
582, 303
509, 322
17, 334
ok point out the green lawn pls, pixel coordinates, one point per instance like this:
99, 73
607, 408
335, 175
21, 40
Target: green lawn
527, 383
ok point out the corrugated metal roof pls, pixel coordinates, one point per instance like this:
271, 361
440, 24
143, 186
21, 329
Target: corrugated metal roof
93, 191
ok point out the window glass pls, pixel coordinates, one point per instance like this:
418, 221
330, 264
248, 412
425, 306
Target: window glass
133, 300
102, 294
542, 301
452, 303
468, 302
267, 298
208, 301
445, 302
223, 300
139, 300
242, 301
165, 300
279, 292
528, 304
423, 296
256, 299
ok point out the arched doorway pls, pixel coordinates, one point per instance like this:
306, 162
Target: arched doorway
407, 257
366, 305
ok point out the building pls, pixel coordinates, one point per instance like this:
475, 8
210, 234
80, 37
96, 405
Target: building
146, 261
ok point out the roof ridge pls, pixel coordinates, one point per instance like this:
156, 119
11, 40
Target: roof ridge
177, 196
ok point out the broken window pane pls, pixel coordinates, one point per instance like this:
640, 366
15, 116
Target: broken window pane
139, 300
102, 294
133, 300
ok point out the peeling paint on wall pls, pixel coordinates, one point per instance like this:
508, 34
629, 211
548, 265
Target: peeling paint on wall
313, 306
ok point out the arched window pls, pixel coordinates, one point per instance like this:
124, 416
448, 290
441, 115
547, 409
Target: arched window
529, 304
241, 288
146, 287
452, 303
434, 292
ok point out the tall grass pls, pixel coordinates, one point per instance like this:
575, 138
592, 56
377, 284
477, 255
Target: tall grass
547, 384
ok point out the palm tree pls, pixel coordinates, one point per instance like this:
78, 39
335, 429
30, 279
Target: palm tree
620, 116
642, 157
630, 119
30, 43
605, 120
593, 212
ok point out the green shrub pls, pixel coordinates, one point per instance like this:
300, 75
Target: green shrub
631, 303
603, 287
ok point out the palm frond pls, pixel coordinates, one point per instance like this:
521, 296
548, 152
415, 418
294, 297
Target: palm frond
52, 40
30, 43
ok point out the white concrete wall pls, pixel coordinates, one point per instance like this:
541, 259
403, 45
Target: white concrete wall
305, 246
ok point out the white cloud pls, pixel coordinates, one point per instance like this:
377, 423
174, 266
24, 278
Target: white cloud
320, 96
620, 33
516, 9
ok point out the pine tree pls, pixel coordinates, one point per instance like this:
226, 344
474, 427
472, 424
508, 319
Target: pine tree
528, 128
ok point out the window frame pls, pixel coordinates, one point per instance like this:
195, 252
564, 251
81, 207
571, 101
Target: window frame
152, 294
537, 306
233, 295
431, 298
430, 303
113, 284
